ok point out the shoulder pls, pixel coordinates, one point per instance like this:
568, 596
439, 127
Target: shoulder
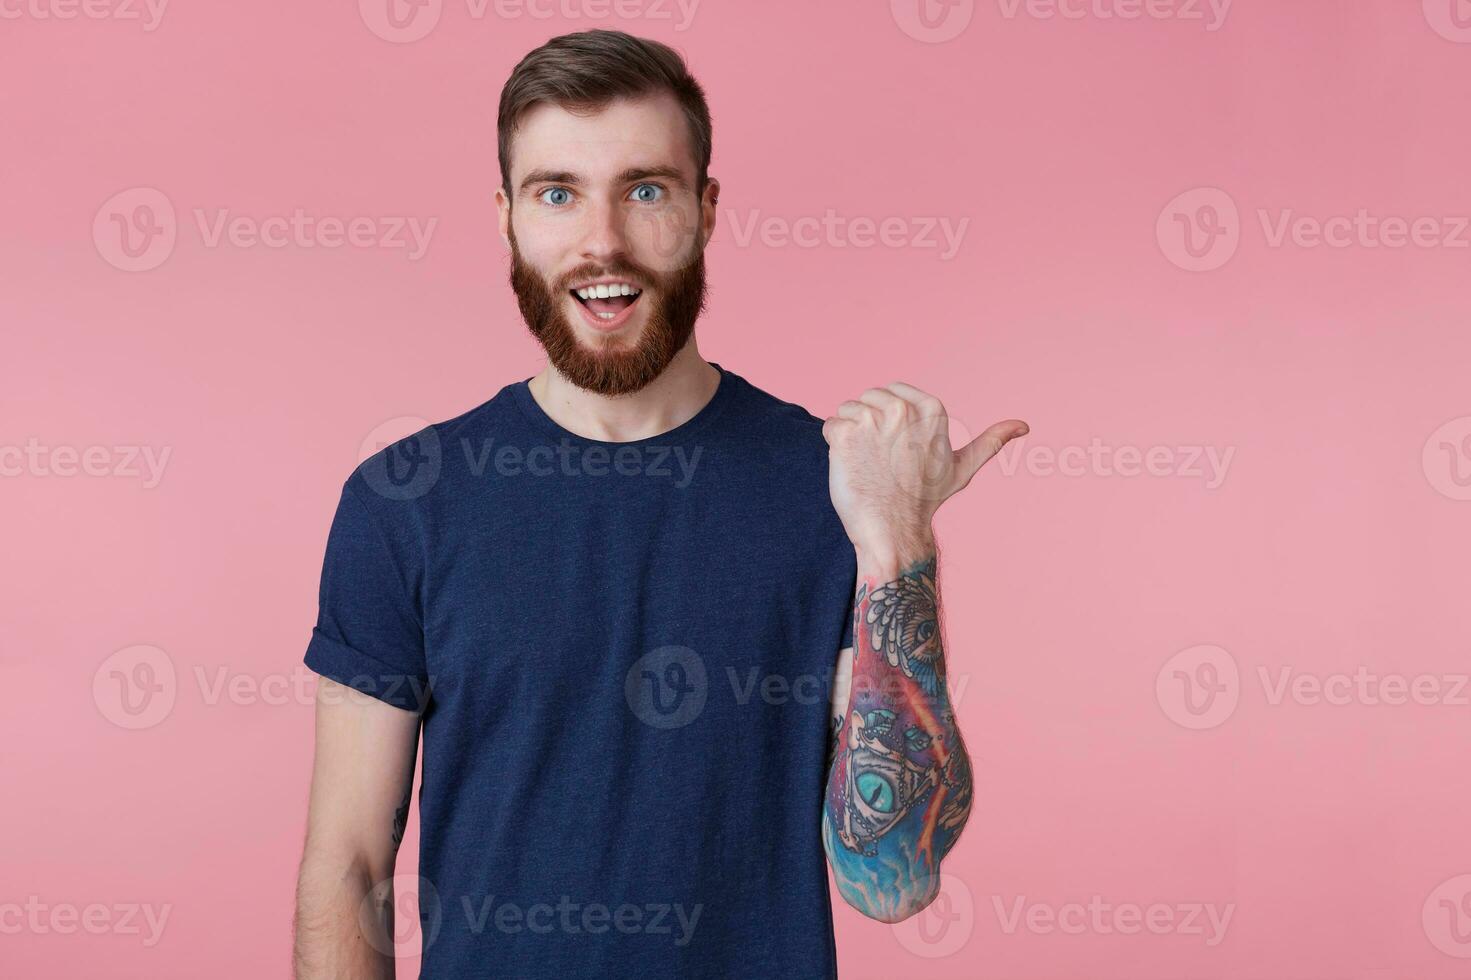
781, 423
409, 472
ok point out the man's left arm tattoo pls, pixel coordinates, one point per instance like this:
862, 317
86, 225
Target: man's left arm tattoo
401, 816
899, 785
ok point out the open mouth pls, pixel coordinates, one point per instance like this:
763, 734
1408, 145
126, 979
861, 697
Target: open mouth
606, 305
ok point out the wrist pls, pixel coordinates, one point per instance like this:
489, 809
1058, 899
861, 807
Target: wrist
891, 552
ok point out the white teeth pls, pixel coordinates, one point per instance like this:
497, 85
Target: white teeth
604, 290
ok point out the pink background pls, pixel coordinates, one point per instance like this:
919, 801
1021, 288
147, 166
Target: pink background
1336, 378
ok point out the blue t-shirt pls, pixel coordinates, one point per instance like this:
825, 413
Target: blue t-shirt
624, 656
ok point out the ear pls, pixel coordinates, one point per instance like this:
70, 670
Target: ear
708, 215
503, 210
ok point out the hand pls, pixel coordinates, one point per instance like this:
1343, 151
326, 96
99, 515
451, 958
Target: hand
891, 467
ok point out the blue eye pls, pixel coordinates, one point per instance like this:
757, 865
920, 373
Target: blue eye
565, 196
654, 193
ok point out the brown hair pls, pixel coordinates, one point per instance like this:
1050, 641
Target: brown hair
585, 71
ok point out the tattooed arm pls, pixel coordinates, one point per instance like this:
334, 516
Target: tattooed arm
899, 783
899, 786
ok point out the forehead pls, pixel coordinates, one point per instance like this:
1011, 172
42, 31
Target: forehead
649, 130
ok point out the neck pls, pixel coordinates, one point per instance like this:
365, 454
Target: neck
670, 400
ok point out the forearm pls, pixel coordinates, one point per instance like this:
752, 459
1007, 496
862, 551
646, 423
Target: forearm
362, 784
344, 925
899, 787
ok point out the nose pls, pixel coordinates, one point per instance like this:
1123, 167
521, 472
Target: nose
605, 236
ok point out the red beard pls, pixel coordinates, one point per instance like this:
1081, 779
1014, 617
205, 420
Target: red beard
675, 301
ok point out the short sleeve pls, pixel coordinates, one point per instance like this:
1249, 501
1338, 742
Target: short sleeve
369, 635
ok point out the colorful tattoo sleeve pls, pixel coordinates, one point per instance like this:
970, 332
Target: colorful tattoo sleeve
899, 787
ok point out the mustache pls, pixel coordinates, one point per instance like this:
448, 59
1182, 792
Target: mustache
624, 269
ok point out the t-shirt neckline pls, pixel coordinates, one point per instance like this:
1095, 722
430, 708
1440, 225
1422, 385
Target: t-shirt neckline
537, 416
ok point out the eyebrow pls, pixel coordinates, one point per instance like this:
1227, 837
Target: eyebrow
628, 176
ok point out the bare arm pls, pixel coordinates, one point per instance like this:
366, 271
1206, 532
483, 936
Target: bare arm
899, 786
362, 778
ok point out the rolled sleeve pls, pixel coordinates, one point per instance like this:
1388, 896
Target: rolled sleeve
355, 669
369, 634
